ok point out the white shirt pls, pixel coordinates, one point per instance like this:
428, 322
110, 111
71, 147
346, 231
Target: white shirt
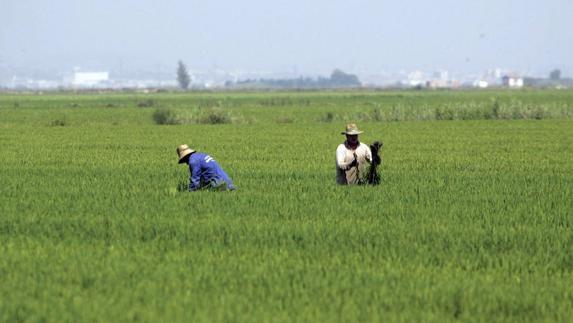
344, 157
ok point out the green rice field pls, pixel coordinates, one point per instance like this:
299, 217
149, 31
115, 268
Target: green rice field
473, 220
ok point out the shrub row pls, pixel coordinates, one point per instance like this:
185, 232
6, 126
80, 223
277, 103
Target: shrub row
453, 112
167, 116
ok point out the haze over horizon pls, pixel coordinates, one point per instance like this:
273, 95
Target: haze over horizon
300, 36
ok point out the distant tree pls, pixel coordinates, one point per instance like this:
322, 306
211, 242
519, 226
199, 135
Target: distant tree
183, 77
339, 78
555, 75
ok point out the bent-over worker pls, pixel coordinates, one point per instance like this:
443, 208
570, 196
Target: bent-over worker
205, 172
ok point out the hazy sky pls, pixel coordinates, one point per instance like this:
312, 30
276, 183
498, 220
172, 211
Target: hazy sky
306, 36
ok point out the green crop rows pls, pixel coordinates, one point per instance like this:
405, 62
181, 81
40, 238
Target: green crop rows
473, 220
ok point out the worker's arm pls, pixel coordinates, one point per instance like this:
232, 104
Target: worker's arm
195, 178
368, 154
340, 156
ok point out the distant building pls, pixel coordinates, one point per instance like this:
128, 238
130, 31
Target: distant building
512, 81
442, 84
416, 78
481, 84
88, 79
437, 84
441, 75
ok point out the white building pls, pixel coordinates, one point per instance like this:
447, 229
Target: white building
88, 79
481, 84
512, 81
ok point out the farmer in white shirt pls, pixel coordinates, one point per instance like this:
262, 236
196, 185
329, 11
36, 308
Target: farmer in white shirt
352, 158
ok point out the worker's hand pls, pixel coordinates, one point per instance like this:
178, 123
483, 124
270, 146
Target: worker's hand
354, 162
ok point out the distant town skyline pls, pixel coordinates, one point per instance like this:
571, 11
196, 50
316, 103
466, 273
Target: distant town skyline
308, 38
236, 79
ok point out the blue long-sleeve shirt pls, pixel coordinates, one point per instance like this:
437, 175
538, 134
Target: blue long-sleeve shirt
206, 172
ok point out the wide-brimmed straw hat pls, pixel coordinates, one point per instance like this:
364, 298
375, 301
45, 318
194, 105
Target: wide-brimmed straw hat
183, 151
351, 129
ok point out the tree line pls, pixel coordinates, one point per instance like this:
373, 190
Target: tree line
337, 79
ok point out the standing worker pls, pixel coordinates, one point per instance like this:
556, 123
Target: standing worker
205, 172
352, 158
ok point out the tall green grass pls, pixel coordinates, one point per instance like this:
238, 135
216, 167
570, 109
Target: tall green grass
472, 221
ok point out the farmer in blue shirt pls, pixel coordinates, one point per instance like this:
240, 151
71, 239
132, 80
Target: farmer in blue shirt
205, 172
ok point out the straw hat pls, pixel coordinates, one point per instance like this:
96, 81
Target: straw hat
351, 129
183, 151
